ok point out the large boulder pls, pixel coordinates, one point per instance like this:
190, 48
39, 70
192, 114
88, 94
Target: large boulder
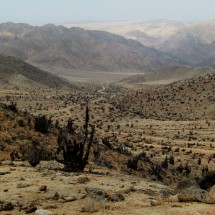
185, 184
212, 191
193, 194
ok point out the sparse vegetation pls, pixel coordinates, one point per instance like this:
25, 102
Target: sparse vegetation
33, 153
42, 123
208, 180
138, 134
12, 106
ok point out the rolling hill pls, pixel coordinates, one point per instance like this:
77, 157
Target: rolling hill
13, 69
59, 47
191, 99
170, 74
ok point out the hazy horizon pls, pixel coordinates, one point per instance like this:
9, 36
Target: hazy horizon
65, 11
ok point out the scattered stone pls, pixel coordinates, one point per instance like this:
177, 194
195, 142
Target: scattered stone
155, 203
117, 197
43, 212
52, 206
23, 185
59, 174
97, 193
49, 165
30, 210
148, 192
165, 193
194, 194
153, 177
7, 162
83, 180
70, 198
129, 190
43, 188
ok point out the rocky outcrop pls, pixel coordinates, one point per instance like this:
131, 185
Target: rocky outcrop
193, 194
185, 184
189, 191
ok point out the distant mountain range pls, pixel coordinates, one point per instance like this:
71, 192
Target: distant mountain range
191, 42
58, 47
14, 70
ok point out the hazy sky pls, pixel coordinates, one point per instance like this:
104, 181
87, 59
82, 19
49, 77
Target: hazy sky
38, 12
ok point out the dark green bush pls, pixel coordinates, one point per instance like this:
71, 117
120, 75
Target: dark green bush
208, 180
33, 154
41, 124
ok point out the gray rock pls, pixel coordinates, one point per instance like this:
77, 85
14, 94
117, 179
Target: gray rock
96, 193
155, 203
194, 194
153, 177
117, 197
185, 184
30, 210
7, 162
69, 198
165, 193
49, 165
43, 212
23, 185
43, 188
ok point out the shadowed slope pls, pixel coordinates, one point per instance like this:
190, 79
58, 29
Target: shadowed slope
11, 67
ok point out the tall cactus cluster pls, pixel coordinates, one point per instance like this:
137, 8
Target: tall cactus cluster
75, 153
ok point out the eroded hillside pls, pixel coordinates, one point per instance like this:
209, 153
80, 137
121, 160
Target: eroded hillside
191, 99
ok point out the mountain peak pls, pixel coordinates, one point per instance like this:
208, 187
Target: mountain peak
52, 46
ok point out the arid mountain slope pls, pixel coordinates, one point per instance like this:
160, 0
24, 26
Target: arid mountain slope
187, 45
57, 47
13, 69
183, 100
150, 33
170, 74
191, 42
